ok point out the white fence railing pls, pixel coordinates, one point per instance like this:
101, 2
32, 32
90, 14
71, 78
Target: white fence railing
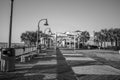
21, 51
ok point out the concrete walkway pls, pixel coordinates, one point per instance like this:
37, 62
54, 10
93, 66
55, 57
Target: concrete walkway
52, 66
62, 65
39, 68
87, 68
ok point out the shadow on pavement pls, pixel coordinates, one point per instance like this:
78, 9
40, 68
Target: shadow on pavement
64, 71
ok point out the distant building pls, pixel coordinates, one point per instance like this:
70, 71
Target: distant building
67, 39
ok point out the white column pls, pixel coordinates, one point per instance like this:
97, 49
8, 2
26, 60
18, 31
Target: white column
74, 42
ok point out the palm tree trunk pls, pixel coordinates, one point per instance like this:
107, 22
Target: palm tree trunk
111, 43
104, 44
101, 43
78, 43
116, 43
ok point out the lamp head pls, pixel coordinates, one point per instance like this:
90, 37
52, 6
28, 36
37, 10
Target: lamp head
12, 0
46, 24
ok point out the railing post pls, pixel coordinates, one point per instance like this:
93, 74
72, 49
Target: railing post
0, 53
22, 59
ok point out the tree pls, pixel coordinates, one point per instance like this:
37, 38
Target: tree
85, 36
116, 33
98, 38
104, 35
111, 36
29, 37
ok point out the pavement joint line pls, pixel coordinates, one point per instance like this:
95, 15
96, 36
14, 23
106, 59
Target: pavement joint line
79, 59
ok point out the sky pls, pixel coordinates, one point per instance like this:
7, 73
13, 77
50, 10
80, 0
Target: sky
62, 15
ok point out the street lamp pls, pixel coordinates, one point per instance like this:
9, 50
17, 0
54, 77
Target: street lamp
8, 62
38, 37
10, 29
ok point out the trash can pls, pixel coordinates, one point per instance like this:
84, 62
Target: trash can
3, 61
8, 60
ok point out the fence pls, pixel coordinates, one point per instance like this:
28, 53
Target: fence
7, 63
22, 51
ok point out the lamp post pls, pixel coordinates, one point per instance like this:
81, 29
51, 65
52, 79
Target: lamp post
38, 37
10, 28
8, 62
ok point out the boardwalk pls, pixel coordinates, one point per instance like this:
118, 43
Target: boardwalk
63, 65
50, 67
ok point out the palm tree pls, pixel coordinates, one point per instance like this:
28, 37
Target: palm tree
98, 38
85, 36
104, 35
111, 36
116, 33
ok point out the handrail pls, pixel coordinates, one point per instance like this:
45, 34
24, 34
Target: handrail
23, 50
